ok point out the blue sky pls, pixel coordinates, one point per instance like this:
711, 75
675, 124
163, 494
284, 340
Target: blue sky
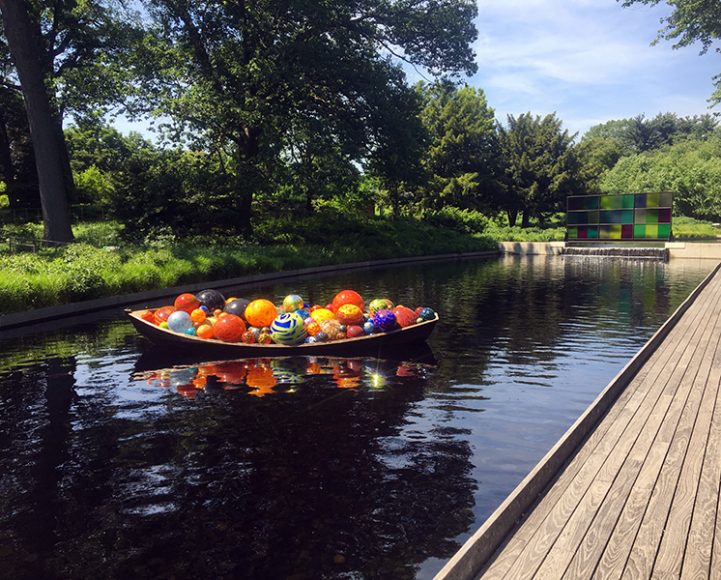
588, 60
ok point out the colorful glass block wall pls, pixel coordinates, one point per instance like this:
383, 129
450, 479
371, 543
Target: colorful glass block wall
630, 216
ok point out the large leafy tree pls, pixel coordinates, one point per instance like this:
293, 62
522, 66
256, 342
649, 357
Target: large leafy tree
240, 75
462, 158
63, 52
541, 166
691, 21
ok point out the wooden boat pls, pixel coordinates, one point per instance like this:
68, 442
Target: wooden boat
372, 343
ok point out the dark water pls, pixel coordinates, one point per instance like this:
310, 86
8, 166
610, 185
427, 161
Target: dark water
117, 460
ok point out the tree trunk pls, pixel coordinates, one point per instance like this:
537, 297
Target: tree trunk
525, 218
512, 216
6, 163
25, 44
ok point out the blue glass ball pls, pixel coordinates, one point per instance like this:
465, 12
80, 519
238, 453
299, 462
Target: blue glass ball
310, 340
368, 327
179, 321
288, 329
321, 336
384, 320
427, 313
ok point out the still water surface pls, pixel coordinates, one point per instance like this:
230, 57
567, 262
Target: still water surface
117, 460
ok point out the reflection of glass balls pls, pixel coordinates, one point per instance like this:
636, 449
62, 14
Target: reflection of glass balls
211, 299
292, 302
385, 320
179, 321
288, 329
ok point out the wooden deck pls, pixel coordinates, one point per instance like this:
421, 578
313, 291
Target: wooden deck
640, 497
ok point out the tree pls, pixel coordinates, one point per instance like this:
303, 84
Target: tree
541, 166
691, 169
53, 170
691, 21
462, 158
68, 58
238, 75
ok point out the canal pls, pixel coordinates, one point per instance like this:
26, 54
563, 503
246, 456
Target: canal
117, 460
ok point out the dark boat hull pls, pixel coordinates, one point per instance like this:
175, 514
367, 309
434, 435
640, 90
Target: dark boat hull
368, 344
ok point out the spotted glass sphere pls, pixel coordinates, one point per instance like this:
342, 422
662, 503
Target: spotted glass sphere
292, 302
384, 320
379, 304
332, 329
288, 329
426, 313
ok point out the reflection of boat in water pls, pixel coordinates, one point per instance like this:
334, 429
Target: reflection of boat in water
274, 374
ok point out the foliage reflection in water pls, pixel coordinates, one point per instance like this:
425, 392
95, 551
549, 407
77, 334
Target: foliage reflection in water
118, 460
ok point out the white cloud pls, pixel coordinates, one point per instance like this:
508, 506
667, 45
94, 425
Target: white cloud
586, 59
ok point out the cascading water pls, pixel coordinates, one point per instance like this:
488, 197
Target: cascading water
616, 252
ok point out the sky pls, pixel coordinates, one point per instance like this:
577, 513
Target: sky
589, 61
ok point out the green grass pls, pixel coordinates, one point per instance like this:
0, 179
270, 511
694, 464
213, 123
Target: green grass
99, 264
686, 228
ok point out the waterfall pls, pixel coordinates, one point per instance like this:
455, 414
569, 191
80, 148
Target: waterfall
616, 252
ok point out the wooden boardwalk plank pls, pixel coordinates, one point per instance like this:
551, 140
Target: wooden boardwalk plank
697, 560
670, 556
529, 546
605, 547
645, 547
629, 455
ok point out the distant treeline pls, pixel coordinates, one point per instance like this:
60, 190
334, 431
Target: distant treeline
279, 109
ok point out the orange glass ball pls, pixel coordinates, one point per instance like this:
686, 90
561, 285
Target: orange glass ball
187, 302
261, 313
321, 314
349, 314
205, 331
198, 315
347, 297
162, 313
229, 328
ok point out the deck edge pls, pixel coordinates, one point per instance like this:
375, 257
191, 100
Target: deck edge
481, 546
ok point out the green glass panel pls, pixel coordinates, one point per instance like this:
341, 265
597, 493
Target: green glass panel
593, 232
572, 233
665, 199
664, 231
652, 199
651, 232
639, 231
651, 216
610, 232
627, 202
627, 216
607, 201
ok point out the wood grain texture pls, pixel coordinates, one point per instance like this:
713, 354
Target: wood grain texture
604, 515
